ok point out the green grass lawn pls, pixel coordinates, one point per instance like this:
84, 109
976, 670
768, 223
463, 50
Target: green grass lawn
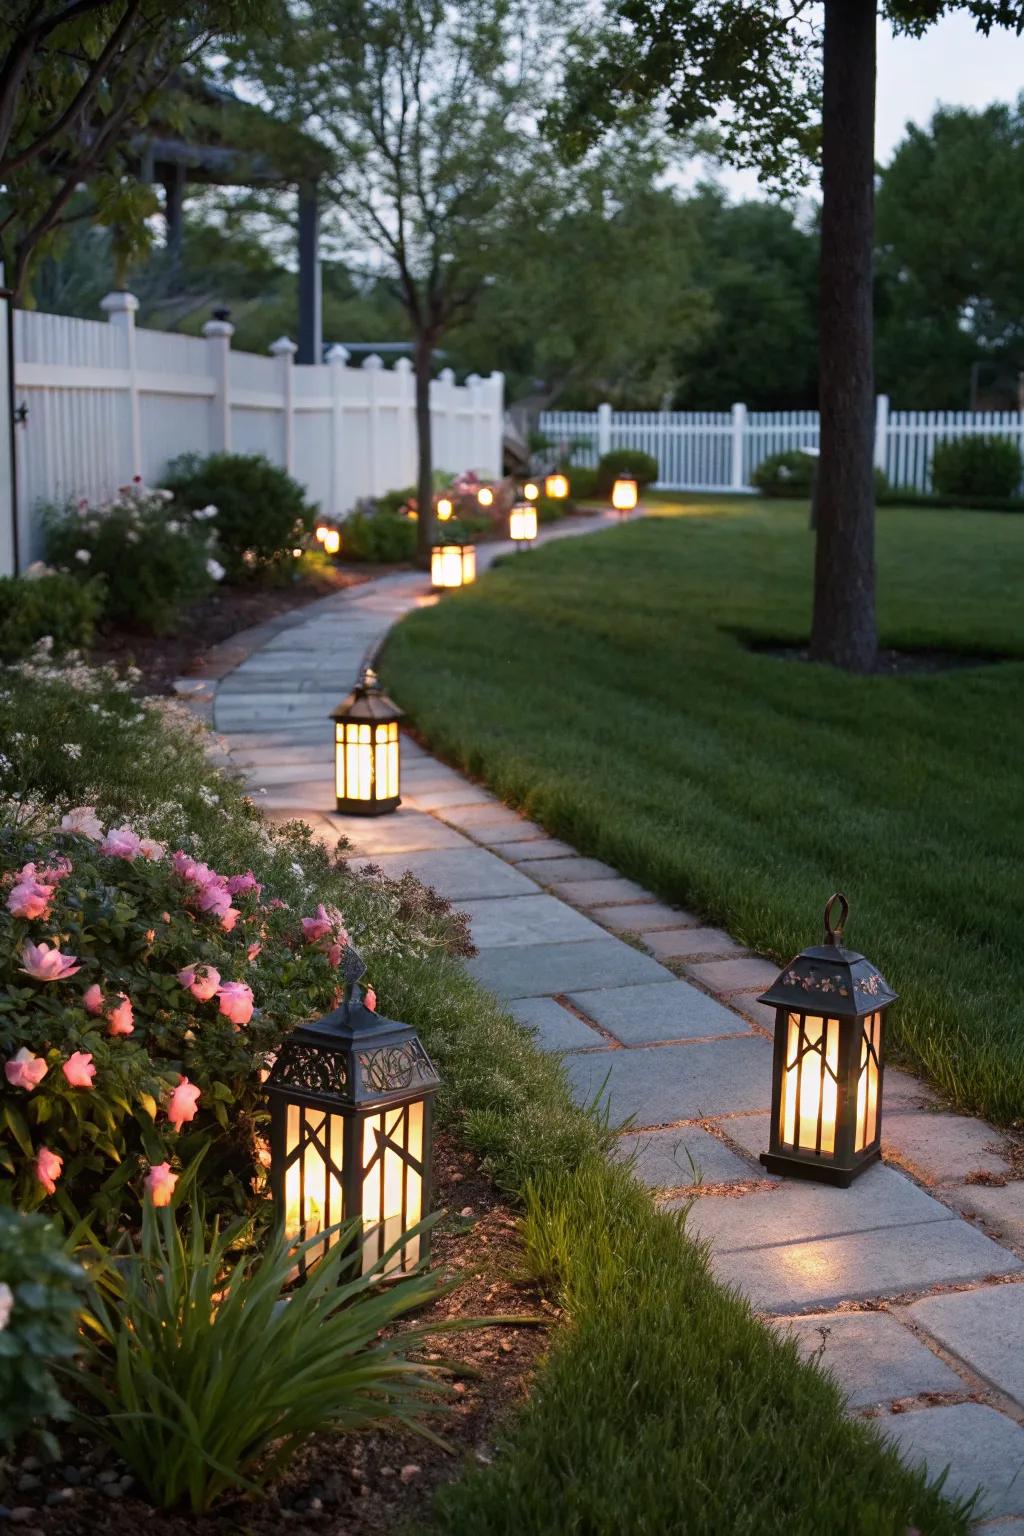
603, 685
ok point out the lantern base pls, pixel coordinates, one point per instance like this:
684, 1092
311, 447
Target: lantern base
821, 1173
368, 807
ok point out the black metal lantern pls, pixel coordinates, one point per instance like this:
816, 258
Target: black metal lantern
366, 750
522, 523
830, 1006
351, 1107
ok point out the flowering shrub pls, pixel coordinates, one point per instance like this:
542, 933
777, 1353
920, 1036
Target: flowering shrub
153, 556
41, 1293
53, 605
261, 512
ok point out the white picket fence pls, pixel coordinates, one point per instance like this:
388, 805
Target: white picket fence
103, 401
719, 450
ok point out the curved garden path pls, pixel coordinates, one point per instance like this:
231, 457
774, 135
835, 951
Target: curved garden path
906, 1284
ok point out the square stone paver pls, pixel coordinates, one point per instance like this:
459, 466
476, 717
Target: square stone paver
686, 943
575, 868
681, 1158
646, 917
796, 1277
498, 921
438, 799
981, 1447
658, 1010
555, 1027
536, 848
748, 1131
502, 834
944, 1148
1001, 1208
405, 832
460, 874
488, 813
657, 1085
725, 976
797, 1211
535, 970
595, 893
985, 1328
874, 1358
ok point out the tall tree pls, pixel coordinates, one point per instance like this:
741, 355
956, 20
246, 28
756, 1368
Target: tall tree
763, 61
76, 76
428, 108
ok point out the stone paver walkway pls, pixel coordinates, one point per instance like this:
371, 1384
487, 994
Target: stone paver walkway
908, 1285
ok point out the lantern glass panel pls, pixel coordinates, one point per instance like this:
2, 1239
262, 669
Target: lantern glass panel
810, 1098
485, 496
522, 522
313, 1191
867, 1081
392, 1161
531, 490
624, 495
444, 509
557, 487
452, 565
331, 541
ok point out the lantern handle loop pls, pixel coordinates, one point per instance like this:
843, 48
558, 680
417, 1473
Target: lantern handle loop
834, 931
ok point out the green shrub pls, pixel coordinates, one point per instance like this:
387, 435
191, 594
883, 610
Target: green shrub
34, 607
643, 467
582, 483
41, 1295
549, 510
977, 466
789, 473
201, 1366
154, 559
382, 538
261, 512
392, 502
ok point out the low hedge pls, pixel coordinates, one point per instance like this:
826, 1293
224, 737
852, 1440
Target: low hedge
381, 538
629, 461
57, 607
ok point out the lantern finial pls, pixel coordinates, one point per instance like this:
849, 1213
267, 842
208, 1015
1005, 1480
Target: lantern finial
833, 935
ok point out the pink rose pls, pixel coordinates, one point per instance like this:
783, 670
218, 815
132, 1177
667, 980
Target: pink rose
25, 1069
240, 885
334, 953
48, 1167
46, 963
92, 1000
236, 1001
253, 951
83, 820
213, 897
316, 928
160, 1182
201, 980
182, 864
150, 849
371, 1000
121, 1020
79, 1070
29, 899
121, 843
54, 872
183, 1103
229, 918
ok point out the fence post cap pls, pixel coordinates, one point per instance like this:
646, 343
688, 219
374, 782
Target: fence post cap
283, 347
337, 354
447, 375
218, 328
373, 362
403, 365
120, 302
473, 378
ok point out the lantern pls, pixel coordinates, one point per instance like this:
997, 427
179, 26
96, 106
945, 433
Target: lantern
445, 508
351, 1101
366, 766
452, 565
557, 487
531, 490
485, 496
329, 536
830, 1006
624, 493
522, 523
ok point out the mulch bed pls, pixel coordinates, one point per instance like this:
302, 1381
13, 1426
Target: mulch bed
345, 1485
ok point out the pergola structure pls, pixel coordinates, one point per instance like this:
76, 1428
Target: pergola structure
210, 153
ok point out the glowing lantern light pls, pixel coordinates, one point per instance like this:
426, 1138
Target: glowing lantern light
556, 487
351, 1107
531, 490
445, 508
452, 565
485, 496
322, 530
522, 523
830, 1006
366, 750
625, 494
332, 541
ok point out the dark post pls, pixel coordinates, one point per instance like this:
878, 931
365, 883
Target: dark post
310, 299
843, 630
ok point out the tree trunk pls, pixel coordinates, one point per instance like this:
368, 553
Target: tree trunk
424, 453
843, 630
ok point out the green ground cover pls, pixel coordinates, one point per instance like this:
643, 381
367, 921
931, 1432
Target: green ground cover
605, 686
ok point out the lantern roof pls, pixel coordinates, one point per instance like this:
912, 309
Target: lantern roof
829, 979
353, 1058
367, 702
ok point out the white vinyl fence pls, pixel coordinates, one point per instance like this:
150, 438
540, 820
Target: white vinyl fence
103, 401
719, 450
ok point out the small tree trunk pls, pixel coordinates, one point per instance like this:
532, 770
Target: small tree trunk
425, 453
843, 630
